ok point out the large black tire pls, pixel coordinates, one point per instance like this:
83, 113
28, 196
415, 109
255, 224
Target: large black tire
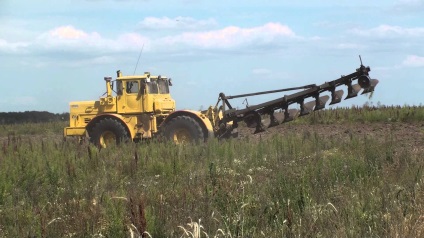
108, 132
182, 130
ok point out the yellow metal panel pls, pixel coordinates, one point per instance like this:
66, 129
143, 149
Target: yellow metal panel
146, 125
74, 131
148, 100
131, 122
107, 104
129, 102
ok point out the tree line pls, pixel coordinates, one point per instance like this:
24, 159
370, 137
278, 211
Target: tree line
31, 117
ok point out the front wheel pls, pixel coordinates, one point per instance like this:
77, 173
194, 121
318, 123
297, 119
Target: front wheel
108, 132
182, 130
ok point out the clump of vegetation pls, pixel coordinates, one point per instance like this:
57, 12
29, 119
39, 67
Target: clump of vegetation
31, 117
46, 129
299, 185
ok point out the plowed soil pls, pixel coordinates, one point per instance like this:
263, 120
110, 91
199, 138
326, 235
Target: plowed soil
409, 135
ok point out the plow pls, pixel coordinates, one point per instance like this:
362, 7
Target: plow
140, 107
252, 115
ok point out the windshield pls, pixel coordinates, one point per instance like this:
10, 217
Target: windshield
159, 86
163, 86
154, 86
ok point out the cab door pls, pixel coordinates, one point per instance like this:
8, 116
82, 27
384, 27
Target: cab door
130, 101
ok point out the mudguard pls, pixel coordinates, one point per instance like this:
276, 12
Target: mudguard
202, 119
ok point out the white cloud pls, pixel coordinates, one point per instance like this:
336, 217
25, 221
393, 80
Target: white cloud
101, 60
335, 25
12, 47
405, 6
413, 61
69, 43
68, 38
177, 23
69, 32
349, 46
133, 41
390, 31
233, 37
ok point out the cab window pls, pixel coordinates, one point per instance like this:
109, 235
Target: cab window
132, 87
163, 86
152, 87
119, 88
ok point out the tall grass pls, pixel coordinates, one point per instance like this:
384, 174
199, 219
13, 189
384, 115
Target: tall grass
367, 113
299, 185
39, 129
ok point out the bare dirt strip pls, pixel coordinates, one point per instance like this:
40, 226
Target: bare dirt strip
409, 135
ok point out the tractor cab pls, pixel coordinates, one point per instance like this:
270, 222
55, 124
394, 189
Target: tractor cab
147, 85
143, 94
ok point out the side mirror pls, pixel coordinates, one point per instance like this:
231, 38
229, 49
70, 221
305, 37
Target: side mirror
170, 82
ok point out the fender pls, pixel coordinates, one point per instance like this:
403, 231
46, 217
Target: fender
202, 119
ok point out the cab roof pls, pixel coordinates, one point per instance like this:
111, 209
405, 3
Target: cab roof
140, 77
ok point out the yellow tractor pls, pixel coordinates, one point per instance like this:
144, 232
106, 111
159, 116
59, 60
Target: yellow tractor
140, 107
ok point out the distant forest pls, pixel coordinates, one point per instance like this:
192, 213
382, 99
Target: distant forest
31, 117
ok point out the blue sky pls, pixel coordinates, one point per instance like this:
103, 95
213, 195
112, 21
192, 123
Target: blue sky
54, 52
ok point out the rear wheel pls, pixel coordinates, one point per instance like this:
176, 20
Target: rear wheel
108, 132
183, 129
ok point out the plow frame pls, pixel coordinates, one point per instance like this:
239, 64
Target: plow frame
252, 113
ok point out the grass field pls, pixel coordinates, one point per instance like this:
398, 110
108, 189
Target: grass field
353, 172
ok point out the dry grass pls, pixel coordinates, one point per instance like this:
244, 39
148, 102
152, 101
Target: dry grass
299, 185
